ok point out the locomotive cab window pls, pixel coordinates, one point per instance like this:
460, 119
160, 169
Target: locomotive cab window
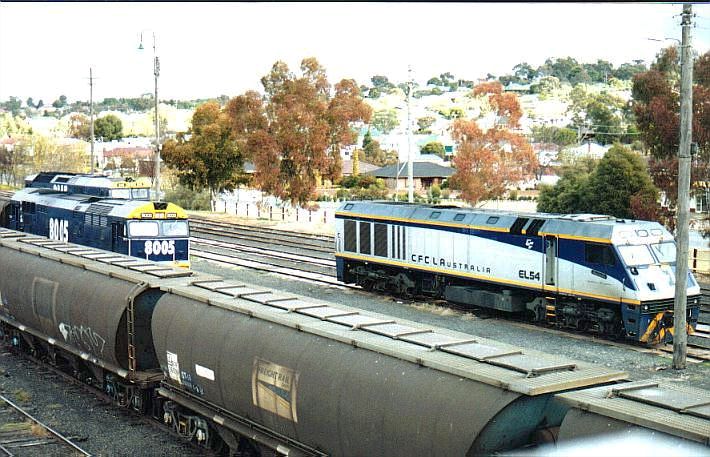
175, 228
601, 254
140, 194
348, 206
121, 193
143, 228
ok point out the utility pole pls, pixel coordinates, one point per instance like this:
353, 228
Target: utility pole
91, 114
680, 336
410, 165
156, 73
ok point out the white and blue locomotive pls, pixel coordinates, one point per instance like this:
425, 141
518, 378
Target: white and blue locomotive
113, 214
590, 272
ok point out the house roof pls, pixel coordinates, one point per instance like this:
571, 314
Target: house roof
420, 170
364, 167
129, 152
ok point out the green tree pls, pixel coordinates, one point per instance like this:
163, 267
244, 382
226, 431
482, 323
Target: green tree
366, 139
381, 83
30, 102
434, 147
424, 123
210, 159
619, 178
385, 120
375, 155
560, 136
108, 128
620, 175
546, 86
60, 102
13, 105
524, 72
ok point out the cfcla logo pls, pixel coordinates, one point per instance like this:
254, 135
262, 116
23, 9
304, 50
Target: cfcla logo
529, 243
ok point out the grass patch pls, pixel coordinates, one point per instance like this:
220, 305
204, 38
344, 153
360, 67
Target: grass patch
15, 426
435, 309
39, 431
22, 396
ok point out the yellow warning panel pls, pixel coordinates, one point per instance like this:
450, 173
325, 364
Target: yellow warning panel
274, 388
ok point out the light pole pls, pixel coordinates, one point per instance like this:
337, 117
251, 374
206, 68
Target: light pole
156, 73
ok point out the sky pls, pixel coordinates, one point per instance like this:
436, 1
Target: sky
209, 49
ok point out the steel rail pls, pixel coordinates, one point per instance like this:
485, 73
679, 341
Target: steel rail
58, 435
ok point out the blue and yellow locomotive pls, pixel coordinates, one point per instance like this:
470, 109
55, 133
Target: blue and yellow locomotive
114, 214
591, 272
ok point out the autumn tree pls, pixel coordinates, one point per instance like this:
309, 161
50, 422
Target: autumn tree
79, 126
13, 161
424, 123
385, 120
48, 154
505, 104
295, 134
487, 162
210, 159
656, 104
434, 147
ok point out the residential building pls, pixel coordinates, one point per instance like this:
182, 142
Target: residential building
426, 174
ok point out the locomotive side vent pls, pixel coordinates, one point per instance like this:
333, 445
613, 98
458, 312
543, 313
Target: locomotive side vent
518, 225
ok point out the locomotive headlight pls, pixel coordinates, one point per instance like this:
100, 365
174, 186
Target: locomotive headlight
645, 307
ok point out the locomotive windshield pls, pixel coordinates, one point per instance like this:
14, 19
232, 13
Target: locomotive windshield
636, 255
665, 252
121, 193
143, 228
130, 194
155, 228
174, 228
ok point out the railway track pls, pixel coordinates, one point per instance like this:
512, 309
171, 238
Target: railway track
305, 256
282, 257
316, 246
22, 434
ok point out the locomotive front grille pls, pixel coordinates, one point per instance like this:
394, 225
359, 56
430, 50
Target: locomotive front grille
656, 306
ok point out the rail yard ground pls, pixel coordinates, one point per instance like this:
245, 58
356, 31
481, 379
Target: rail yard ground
640, 362
98, 427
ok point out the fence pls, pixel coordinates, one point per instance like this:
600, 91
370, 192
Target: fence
699, 261
274, 213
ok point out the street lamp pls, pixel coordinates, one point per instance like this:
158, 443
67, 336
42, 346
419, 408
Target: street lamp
156, 73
